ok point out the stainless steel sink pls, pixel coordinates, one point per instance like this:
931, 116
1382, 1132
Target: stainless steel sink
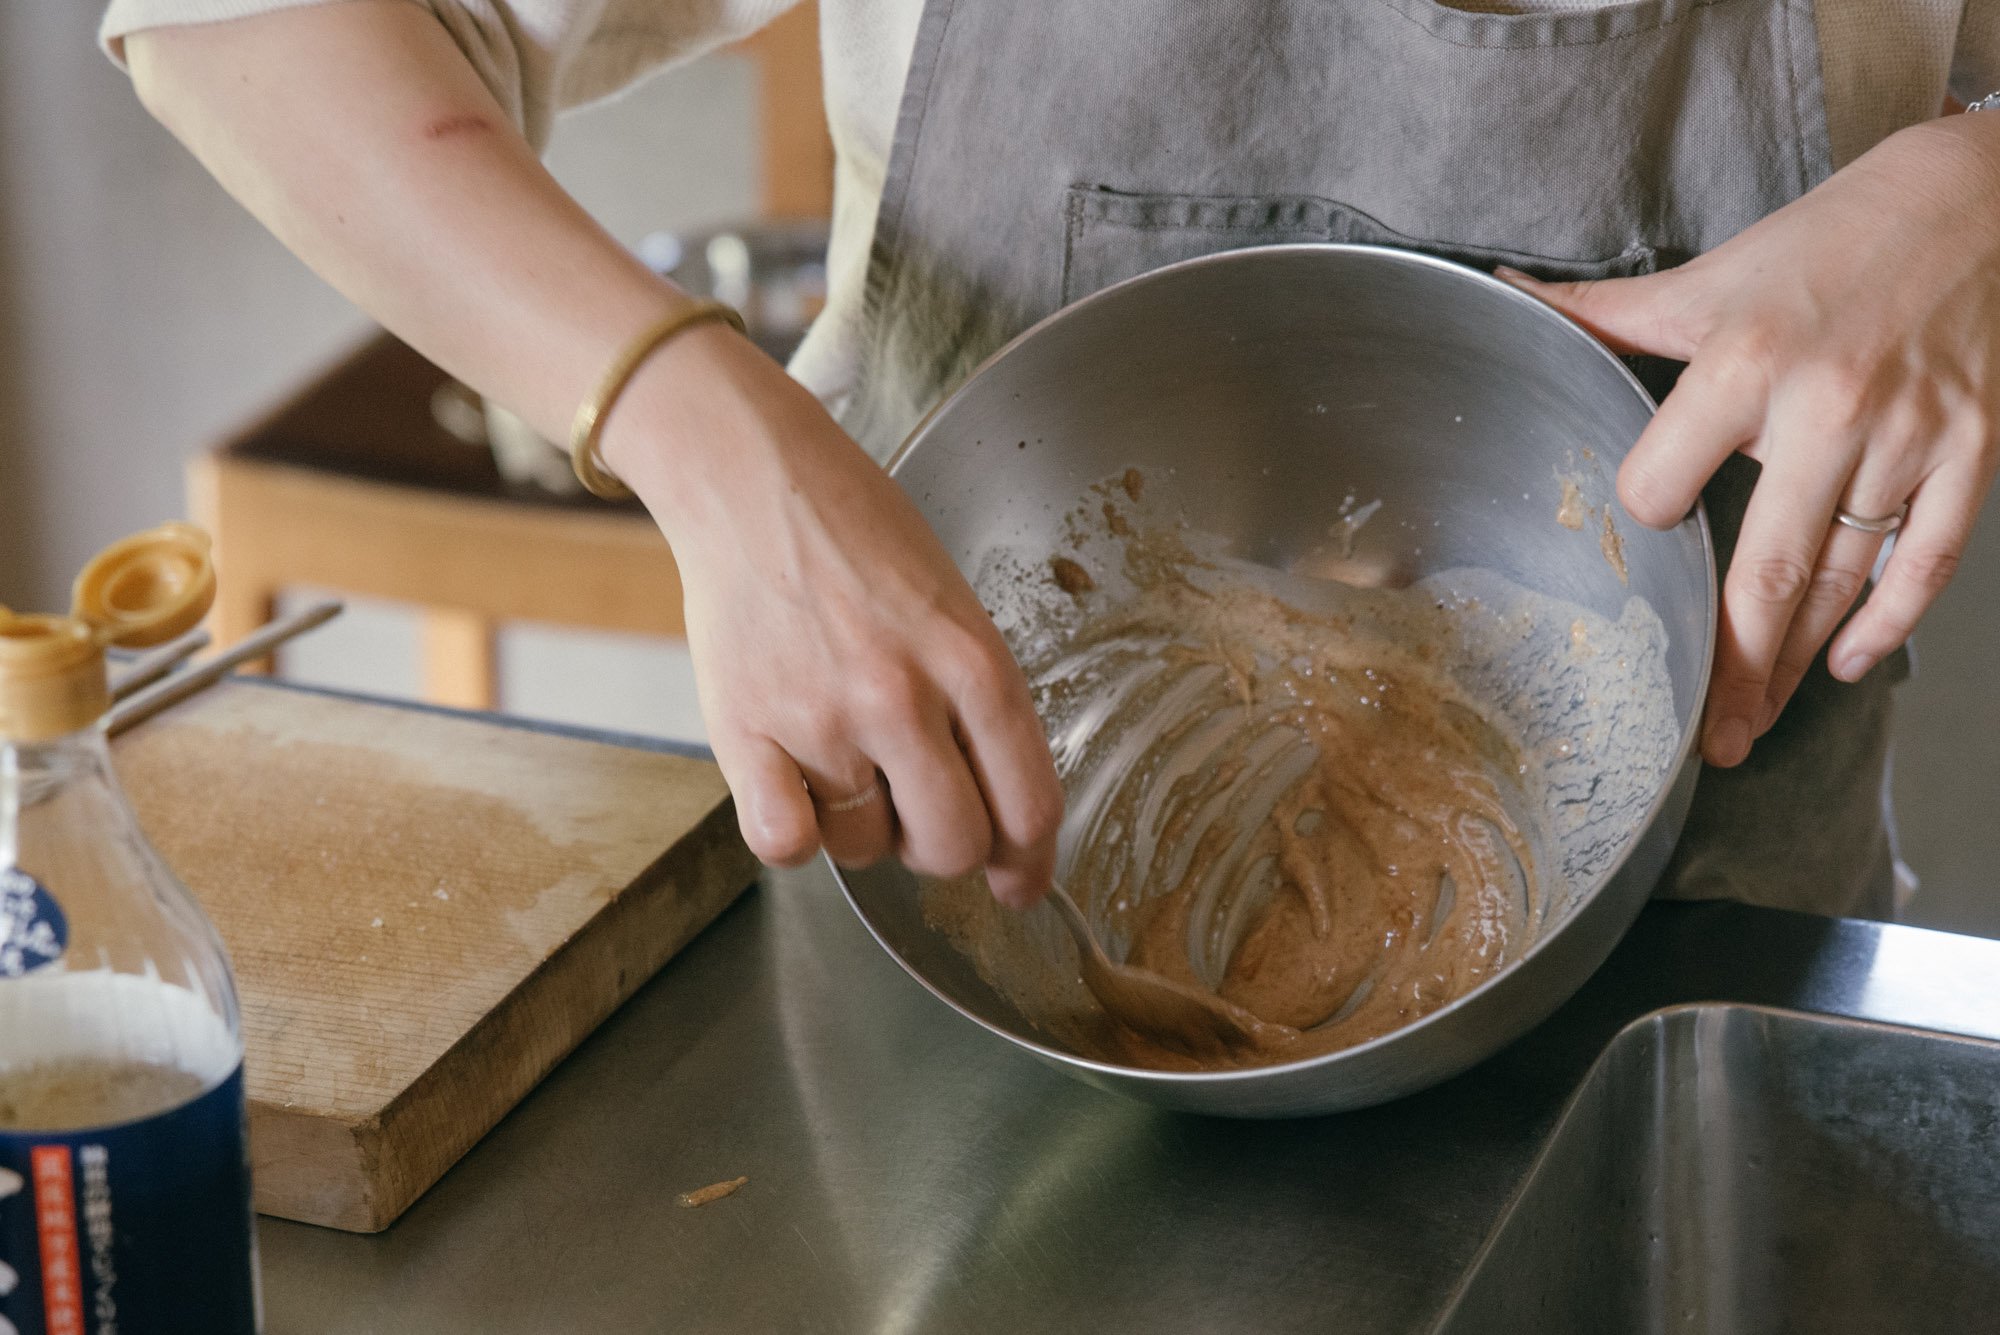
1729, 1169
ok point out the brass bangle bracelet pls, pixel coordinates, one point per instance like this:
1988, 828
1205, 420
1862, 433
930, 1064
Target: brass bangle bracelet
588, 427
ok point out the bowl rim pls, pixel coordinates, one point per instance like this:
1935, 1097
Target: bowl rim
1690, 734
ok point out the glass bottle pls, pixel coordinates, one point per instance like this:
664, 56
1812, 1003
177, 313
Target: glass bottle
124, 1167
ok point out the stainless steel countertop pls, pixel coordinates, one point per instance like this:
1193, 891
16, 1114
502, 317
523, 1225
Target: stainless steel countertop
910, 1173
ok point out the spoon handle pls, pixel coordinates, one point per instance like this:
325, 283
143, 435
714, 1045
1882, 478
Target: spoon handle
143, 705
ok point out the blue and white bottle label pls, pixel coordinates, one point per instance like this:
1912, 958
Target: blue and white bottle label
143, 1228
33, 931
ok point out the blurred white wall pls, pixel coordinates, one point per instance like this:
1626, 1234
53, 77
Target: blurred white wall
143, 314
140, 310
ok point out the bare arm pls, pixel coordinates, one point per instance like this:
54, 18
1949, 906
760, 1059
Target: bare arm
361, 136
835, 645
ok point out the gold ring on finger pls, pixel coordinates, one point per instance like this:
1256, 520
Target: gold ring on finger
853, 802
1888, 523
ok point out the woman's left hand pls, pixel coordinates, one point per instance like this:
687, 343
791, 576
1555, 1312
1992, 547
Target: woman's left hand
1850, 343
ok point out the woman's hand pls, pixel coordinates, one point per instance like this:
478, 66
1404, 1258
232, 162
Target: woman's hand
856, 693
1850, 343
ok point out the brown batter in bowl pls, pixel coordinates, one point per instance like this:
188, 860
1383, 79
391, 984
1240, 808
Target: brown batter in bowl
1363, 434
1323, 814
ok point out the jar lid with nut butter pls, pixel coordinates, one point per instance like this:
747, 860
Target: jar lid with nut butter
139, 591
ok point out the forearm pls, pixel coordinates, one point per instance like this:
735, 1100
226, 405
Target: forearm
1964, 160
1982, 129
361, 136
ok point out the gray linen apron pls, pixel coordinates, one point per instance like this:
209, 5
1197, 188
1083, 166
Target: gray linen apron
1045, 150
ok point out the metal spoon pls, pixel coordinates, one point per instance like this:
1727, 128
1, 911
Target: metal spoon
1152, 1004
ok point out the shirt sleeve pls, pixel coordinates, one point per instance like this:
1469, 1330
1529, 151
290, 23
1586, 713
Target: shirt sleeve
1975, 66
537, 57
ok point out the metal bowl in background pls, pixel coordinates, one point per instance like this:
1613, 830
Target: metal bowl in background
773, 273
1257, 389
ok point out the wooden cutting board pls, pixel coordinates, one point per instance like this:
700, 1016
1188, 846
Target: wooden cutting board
425, 912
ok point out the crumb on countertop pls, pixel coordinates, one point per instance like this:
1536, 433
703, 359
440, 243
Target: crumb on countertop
715, 1191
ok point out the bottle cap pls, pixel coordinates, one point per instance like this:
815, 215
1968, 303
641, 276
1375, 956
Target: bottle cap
139, 591
148, 588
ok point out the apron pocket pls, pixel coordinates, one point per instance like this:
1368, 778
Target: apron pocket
1511, 25
1110, 236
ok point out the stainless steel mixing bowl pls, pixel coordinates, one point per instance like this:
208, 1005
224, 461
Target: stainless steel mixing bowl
1257, 389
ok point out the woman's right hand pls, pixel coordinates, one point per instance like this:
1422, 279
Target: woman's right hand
832, 637
857, 695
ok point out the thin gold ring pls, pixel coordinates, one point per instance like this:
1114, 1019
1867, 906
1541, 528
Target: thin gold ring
1888, 523
853, 802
